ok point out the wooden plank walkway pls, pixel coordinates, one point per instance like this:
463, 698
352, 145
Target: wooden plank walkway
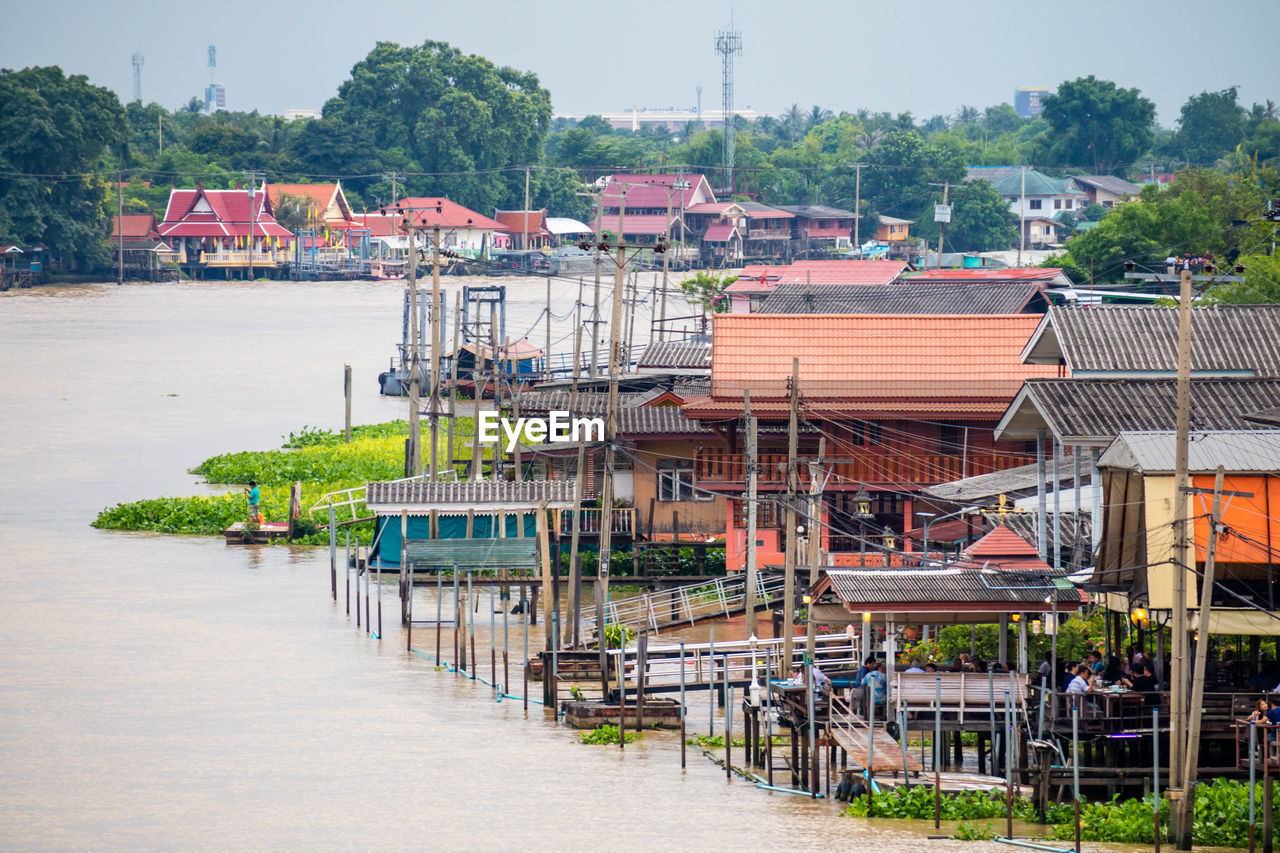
888, 752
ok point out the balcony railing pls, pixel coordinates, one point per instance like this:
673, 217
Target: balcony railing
241, 259
589, 521
717, 468
769, 234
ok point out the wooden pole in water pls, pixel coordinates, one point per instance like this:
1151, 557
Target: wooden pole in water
642, 662
439, 611
493, 651
379, 599
358, 594
333, 553
728, 727
346, 394
456, 623
752, 581
682, 709
575, 515
505, 598
471, 628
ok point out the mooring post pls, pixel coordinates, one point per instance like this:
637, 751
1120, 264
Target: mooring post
471, 628
728, 729
439, 593
711, 685
642, 661
682, 708
1253, 755
506, 618
347, 574
937, 739
358, 594
768, 716
524, 618
813, 733
871, 752
555, 663
493, 636
1155, 766
1075, 766
379, 601
457, 625
408, 636
333, 553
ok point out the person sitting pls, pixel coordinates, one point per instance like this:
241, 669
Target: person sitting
874, 683
820, 681
1143, 681
931, 667
1114, 674
1083, 681
1259, 711
1225, 677
1094, 659
863, 670
914, 667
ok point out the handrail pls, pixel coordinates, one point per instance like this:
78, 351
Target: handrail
681, 604
357, 494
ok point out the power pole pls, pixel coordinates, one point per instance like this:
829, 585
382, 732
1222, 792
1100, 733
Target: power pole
857, 205
611, 420
413, 463
1183, 562
752, 492
120, 226
1022, 213
253, 219
436, 327
595, 305
546, 356
666, 265
579, 481
1183, 841
814, 527
789, 566
942, 226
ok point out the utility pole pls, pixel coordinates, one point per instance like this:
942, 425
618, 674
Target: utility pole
579, 482
120, 227
857, 205
666, 265
1183, 561
942, 226
436, 327
814, 527
253, 219
1022, 213
413, 464
752, 492
789, 565
546, 355
1183, 841
595, 305
524, 242
611, 420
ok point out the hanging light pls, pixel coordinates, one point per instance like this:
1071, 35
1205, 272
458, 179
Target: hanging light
1015, 617
890, 541
1138, 616
862, 505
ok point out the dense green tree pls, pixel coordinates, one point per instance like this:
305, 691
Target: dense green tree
980, 220
1097, 125
450, 113
53, 130
1210, 125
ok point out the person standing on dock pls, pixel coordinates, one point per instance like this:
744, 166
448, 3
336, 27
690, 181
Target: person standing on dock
253, 495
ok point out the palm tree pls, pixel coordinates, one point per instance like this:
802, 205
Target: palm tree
818, 115
870, 139
967, 115
794, 119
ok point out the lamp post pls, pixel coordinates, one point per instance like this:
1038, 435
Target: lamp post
933, 518
890, 543
754, 643
928, 517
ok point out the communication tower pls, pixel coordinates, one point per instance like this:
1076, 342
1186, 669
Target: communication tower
137, 76
215, 97
728, 45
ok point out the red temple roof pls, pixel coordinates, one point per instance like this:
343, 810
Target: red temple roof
219, 213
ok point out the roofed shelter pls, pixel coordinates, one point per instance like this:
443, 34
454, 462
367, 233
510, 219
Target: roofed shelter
217, 229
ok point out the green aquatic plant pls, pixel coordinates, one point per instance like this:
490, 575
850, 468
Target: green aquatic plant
606, 734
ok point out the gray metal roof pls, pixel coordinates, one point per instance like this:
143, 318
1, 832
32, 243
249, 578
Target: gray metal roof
1142, 340
1269, 417
418, 496
1015, 482
676, 355
1073, 527
1094, 411
1249, 451
816, 211
1110, 183
907, 298
950, 586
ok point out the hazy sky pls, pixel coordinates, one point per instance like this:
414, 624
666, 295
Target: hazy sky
928, 57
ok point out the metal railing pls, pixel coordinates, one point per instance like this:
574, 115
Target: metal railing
622, 520
681, 605
348, 498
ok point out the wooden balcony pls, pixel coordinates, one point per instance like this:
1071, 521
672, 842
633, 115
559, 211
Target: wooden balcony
716, 468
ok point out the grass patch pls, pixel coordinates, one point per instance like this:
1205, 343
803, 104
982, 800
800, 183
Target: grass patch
606, 735
318, 458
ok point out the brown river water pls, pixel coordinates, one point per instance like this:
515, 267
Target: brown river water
165, 692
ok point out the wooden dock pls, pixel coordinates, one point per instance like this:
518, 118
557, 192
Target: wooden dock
886, 755
266, 532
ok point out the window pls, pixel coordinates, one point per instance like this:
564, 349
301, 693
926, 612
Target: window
1067, 204
1057, 204
675, 481
1034, 204
949, 438
864, 432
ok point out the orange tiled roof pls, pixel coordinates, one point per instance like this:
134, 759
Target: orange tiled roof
514, 220
318, 194
888, 362
1003, 549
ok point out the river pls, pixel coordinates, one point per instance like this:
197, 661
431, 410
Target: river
165, 692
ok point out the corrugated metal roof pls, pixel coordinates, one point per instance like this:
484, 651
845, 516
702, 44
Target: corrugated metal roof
468, 492
1238, 451
816, 211
1037, 183
1014, 482
676, 355
1100, 409
720, 233
657, 420
1144, 339
1008, 274
647, 224
1110, 183
1074, 528
1270, 417
952, 585
981, 298
891, 355
762, 277
650, 191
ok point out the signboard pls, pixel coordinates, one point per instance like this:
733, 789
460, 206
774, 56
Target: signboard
942, 213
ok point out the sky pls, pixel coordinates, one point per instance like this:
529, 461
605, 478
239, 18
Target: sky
927, 58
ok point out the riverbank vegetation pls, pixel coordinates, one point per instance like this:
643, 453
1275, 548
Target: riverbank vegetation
318, 458
1221, 813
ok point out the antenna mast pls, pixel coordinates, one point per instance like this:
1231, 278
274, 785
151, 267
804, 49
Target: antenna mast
728, 45
137, 76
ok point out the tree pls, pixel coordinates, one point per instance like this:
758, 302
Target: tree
707, 291
1097, 125
981, 220
53, 131
449, 113
1210, 125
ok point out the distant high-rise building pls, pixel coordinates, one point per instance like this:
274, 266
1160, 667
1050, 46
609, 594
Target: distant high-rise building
1026, 100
